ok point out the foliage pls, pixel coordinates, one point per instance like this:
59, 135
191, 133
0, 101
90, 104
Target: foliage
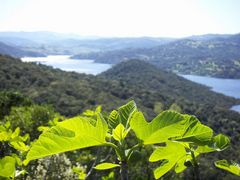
10, 99
11, 150
184, 135
29, 118
71, 94
233, 167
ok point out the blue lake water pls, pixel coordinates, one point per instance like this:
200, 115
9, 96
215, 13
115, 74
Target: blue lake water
65, 63
228, 87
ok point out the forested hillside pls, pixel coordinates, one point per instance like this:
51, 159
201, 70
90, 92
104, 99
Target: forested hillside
154, 90
218, 57
17, 52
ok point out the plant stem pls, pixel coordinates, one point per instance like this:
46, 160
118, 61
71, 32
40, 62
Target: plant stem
195, 167
132, 149
124, 170
94, 163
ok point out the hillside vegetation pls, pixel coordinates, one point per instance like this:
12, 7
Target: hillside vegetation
154, 90
17, 52
218, 57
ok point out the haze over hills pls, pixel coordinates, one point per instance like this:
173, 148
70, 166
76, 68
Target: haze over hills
57, 43
217, 56
17, 52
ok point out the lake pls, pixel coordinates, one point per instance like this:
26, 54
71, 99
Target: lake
228, 87
65, 63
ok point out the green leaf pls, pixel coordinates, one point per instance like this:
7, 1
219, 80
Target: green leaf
113, 119
7, 167
180, 165
104, 166
171, 154
160, 129
71, 134
218, 143
119, 133
163, 168
16, 133
4, 136
122, 115
224, 164
18, 145
195, 132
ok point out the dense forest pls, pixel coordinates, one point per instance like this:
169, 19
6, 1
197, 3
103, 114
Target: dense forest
217, 57
34, 95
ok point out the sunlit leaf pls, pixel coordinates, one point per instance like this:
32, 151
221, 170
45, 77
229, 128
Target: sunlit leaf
7, 167
224, 164
104, 166
160, 129
71, 134
15, 133
113, 119
119, 133
171, 154
18, 145
195, 132
180, 165
122, 115
218, 143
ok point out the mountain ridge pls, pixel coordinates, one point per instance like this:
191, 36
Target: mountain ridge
217, 57
17, 52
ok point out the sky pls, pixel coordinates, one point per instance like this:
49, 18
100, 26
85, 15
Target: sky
122, 18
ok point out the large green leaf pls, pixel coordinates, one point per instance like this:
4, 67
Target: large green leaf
170, 154
122, 115
224, 164
7, 167
71, 134
104, 166
195, 132
160, 129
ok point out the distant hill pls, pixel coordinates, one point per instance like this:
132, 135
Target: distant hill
58, 43
17, 52
218, 56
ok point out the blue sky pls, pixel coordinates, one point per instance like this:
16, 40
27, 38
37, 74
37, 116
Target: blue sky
163, 18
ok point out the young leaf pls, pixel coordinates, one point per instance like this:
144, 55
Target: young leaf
18, 145
224, 164
119, 133
104, 166
71, 134
7, 167
122, 115
160, 129
113, 119
218, 143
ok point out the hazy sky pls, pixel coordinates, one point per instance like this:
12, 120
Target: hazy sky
172, 18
